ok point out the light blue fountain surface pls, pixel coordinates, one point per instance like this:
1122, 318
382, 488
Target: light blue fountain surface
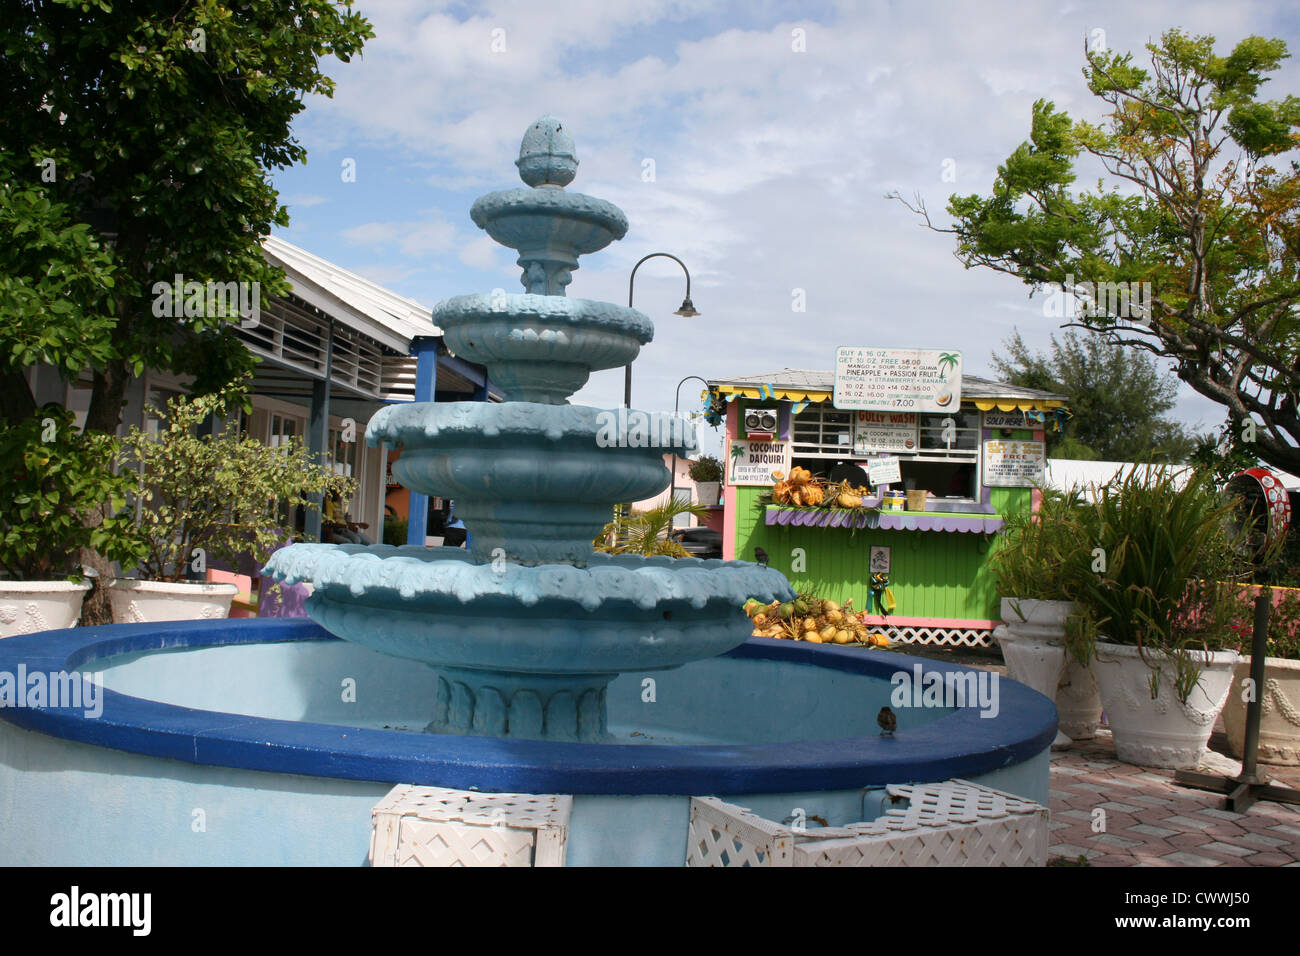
541, 348
620, 612
528, 628
527, 651
535, 483
550, 228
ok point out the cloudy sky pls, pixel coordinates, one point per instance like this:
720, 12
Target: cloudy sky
773, 132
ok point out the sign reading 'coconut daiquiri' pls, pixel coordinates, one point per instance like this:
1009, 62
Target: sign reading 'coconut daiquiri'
897, 380
757, 462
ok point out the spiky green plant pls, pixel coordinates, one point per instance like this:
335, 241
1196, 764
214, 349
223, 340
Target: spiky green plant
646, 532
1171, 563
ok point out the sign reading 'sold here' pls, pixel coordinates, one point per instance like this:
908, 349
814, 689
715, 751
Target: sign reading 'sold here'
1013, 464
897, 380
757, 462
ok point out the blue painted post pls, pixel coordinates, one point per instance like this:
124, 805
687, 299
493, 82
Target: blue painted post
318, 435
426, 386
481, 394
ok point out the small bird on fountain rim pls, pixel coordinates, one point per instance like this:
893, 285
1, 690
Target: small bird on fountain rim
761, 557
888, 721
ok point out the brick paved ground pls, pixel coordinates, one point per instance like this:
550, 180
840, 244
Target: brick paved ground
1152, 822
1149, 820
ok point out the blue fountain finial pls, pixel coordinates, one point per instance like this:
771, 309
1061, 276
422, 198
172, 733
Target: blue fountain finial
549, 226
547, 156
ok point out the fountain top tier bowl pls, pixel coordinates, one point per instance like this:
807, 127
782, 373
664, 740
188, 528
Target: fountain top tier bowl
527, 630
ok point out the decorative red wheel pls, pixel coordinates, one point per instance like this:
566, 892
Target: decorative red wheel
1267, 499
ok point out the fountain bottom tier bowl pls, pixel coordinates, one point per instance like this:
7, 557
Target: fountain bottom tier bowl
527, 651
281, 739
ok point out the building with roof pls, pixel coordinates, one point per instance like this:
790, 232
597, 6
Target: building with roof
332, 352
966, 467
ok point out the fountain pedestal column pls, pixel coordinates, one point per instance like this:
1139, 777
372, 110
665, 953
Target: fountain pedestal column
535, 706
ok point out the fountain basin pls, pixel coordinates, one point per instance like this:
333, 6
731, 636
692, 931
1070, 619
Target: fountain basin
247, 727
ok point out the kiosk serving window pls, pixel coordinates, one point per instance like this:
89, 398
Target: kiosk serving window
938, 453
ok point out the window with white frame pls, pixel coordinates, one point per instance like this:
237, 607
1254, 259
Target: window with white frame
945, 463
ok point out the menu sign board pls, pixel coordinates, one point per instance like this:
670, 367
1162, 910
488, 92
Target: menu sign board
884, 470
885, 431
897, 380
757, 462
1014, 464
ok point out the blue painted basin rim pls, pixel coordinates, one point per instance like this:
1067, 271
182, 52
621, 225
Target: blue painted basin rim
962, 744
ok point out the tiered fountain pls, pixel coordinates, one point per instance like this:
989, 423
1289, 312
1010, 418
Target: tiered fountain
528, 628
281, 738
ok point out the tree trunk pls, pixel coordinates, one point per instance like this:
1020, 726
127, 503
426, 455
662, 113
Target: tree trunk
107, 397
16, 401
104, 415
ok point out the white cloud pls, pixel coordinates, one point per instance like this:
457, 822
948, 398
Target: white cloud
414, 238
770, 165
304, 201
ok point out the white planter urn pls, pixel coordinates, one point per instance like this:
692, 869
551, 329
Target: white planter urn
138, 602
708, 492
1033, 645
30, 606
1164, 731
1279, 719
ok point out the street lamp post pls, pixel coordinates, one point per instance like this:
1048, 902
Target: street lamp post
687, 310
672, 488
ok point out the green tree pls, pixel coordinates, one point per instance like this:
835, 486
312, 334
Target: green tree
1118, 398
159, 123
1200, 205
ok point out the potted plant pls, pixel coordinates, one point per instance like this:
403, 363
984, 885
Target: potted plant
1156, 613
1279, 726
58, 499
646, 532
202, 498
706, 472
1039, 569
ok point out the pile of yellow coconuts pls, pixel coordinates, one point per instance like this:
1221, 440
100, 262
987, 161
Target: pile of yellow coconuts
812, 619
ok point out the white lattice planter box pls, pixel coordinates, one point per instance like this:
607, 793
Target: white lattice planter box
954, 823
431, 826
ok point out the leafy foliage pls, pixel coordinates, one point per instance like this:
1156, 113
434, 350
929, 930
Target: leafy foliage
1042, 555
1117, 397
161, 124
59, 498
1283, 627
646, 532
1172, 572
706, 468
1199, 206
222, 494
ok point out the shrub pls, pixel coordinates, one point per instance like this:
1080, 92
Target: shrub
706, 468
60, 496
1172, 571
220, 495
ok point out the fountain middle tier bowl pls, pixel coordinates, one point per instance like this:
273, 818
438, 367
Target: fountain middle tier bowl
527, 651
541, 348
533, 482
